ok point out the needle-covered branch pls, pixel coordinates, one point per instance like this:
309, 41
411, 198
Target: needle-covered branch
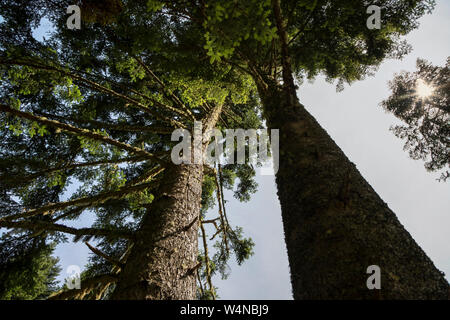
104, 255
112, 126
185, 111
142, 178
85, 201
31, 177
220, 203
207, 265
95, 86
42, 226
79, 132
86, 286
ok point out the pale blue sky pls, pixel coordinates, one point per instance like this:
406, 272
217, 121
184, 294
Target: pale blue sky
360, 127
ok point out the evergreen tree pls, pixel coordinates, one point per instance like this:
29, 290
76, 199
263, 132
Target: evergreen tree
28, 270
335, 224
97, 108
421, 99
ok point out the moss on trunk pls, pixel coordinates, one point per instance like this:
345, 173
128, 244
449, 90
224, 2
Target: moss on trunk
335, 223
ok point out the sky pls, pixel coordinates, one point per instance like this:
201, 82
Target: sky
360, 126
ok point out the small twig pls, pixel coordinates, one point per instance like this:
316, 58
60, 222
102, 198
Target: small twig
207, 267
220, 201
191, 271
104, 256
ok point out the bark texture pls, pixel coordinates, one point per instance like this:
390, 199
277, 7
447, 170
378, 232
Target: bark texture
163, 260
159, 266
335, 224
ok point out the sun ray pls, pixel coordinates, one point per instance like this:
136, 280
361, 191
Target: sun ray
423, 89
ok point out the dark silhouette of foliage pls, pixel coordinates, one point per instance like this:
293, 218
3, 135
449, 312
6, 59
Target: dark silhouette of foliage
421, 99
28, 270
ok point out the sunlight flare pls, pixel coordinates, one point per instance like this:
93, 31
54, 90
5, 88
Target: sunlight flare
423, 89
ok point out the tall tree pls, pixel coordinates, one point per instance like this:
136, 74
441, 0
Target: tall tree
28, 270
98, 107
335, 224
421, 99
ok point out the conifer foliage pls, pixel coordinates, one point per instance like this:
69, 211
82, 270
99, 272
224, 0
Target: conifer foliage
421, 99
95, 108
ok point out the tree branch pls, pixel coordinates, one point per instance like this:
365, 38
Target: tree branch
104, 256
96, 86
40, 226
33, 176
87, 285
81, 132
207, 266
221, 214
85, 201
112, 126
186, 112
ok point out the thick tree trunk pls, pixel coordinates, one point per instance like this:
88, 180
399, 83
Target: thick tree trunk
163, 260
335, 224
165, 253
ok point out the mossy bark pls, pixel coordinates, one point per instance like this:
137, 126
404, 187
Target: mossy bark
166, 247
335, 224
163, 260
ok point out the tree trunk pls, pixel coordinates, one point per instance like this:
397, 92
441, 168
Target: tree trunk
335, 224
163, 260
160, 264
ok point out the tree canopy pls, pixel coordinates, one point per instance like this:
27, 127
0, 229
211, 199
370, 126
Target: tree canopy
96, 109
421, 100
28, 270
96, 106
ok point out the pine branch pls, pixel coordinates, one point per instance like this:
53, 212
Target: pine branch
200, 283
115, 271
77, 210
142, 178
164, 106
87, 286
213, 221
221, 202
85, 201
40, 226
123, 258
186, 112
112, 126
217, 232
104, 256
95, 86
207, 266
33, 176
80, 132
101, 290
